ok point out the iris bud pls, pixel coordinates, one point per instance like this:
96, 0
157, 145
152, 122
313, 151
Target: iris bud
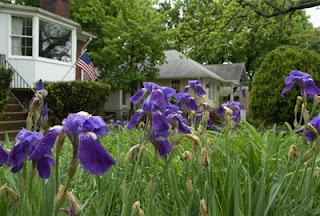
203, 208
307, 155
205, 156
293, 152
189, 185
136, 209
187, 157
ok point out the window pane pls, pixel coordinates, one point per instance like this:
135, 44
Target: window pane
21, 26
175, 84
55, 42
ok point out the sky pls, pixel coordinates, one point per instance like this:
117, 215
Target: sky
314, 14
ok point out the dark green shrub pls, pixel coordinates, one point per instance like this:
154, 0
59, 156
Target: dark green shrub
71, 97
5, 80
266, 104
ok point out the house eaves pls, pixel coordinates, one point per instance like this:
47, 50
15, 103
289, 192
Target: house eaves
6, 7
178, 66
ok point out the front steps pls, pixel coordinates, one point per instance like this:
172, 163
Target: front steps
13, 119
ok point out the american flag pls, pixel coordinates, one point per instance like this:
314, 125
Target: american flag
86, 65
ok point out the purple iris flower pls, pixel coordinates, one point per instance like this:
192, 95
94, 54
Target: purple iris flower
44, 116
186, 102
304, 81
117, 123
25, 143
235, 107
310, 136
196, 86
3, 156
43, 152
150, 87
84, 130
161, 112
40, 87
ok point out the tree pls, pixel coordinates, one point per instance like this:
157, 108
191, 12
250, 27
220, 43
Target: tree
266, 104
130, 40
269, 8
215, 32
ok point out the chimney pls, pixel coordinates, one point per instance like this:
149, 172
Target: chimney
59, 7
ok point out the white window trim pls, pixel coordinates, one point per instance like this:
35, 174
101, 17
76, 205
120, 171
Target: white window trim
35, 41
12, 35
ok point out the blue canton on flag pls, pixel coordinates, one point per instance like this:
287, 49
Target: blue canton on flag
86, 65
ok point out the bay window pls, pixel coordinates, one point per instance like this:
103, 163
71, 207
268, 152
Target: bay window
55, 42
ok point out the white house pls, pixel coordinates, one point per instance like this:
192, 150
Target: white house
41, 43
175, 73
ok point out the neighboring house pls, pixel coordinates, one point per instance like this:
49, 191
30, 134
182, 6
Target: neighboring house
236, 76
175, 73
41, 43
179, 69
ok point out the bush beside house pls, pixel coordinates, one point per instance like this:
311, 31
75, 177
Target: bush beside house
71, 97
266, 104
5, 80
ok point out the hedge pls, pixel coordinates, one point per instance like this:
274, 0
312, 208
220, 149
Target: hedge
71, 97
5, 80
266, 104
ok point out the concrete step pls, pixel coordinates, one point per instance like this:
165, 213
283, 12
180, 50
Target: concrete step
12, 134
12, 125
11, 116
12, 100
13, 108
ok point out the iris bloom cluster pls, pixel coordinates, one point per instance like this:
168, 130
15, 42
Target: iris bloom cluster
304, 81
162, 113
118, 123
32, 146
234, 106
309, 89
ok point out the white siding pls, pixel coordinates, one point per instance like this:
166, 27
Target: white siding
49, 70
25, 68
4, 34
114, 101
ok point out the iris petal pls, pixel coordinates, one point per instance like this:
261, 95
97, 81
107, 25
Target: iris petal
95, 124
44, 165
92, 155
3, 156
138, 96
135, 119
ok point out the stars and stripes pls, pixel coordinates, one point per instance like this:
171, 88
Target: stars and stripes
86, 65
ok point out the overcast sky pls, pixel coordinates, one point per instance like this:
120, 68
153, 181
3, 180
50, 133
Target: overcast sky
314, 14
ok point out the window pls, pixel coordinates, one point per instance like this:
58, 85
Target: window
124, 98
21, 36
55, 42
175, 84
211, 90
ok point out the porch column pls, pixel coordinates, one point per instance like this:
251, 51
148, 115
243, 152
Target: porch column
231, 94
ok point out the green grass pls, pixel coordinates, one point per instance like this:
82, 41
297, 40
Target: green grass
252, 177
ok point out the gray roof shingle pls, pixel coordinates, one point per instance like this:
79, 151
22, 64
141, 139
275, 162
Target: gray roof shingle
179, 66
230, 72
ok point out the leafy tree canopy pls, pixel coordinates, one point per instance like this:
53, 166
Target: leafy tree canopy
130, 40
214, 32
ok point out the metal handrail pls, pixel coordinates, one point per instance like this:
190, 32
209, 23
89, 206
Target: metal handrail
17, 80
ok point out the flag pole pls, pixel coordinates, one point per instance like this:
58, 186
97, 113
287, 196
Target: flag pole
81, 53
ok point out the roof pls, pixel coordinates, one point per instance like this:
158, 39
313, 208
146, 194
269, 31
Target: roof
230, 72
179, 66
41, 11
